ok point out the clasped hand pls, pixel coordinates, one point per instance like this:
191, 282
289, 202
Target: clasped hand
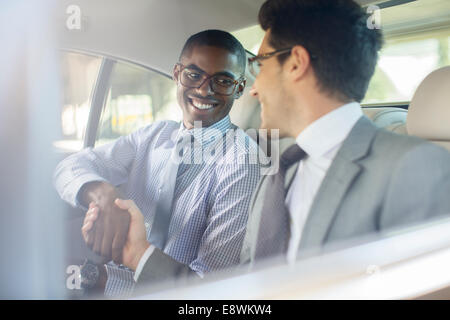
136, 239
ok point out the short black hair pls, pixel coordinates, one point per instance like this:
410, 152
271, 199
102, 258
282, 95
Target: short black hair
344, 50
219, 39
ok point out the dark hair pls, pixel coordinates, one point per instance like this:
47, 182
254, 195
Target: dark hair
219, 39
335, 32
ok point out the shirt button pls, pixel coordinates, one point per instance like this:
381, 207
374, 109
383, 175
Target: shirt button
159, 190
147, 225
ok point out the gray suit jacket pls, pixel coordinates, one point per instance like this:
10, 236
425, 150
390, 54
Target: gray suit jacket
377, 181
162, 270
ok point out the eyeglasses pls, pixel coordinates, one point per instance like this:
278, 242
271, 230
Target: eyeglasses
254, 65
220, 84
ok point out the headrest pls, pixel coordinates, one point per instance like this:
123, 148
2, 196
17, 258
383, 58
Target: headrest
429, 111
385, 117
245, 111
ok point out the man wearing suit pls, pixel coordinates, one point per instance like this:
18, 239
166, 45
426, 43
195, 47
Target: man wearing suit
344, 177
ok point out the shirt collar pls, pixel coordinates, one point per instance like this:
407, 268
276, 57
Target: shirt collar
329, 130
205, 135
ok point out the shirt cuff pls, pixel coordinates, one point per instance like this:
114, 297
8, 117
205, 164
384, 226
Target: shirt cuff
142, 261
78, 183
120, 283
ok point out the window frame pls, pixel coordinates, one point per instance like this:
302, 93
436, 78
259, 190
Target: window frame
101, 88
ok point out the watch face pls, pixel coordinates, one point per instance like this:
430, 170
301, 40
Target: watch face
89, 274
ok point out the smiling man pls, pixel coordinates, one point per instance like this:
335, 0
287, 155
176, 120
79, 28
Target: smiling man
343, 178
225, 73
193, 190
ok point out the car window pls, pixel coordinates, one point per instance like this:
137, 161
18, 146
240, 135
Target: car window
404, 63
250, 37
136, 97
79, 74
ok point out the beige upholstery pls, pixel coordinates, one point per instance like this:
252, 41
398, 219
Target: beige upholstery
429, 111
389, 118
245, 111
399, 128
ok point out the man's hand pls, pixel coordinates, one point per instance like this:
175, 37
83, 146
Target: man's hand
136, 241
108, 235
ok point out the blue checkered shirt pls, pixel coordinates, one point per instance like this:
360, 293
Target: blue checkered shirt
211, 198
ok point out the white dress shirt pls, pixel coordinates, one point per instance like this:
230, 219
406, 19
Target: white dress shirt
321, 141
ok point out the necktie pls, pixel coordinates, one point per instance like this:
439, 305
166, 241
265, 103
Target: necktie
273, 234
163, 212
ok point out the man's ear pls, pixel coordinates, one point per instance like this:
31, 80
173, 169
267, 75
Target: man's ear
175, 73
240, 89
299, 63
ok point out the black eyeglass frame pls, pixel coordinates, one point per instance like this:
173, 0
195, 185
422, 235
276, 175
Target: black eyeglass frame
264, 56
235, 82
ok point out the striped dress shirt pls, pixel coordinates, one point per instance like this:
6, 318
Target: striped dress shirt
211, 197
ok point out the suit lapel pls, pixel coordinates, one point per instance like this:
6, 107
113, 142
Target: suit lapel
327, 201
337, 183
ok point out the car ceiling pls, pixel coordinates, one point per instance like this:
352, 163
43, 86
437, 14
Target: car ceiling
151, 32
416, 16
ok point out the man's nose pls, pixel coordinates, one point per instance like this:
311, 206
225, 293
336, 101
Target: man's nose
205, 89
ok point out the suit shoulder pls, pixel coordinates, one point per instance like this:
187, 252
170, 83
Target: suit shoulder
404, 142
392, 146
402, 148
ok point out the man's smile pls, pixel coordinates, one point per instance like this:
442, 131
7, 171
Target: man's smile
202, 104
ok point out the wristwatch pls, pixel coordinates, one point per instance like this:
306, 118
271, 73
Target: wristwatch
89, 274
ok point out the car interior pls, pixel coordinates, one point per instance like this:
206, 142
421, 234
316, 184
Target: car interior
116, 60
128, 66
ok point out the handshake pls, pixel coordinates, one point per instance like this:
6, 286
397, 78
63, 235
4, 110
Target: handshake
114, 228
